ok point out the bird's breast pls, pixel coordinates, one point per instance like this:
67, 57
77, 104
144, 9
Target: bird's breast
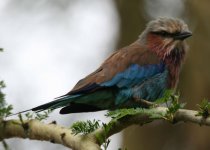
173, 63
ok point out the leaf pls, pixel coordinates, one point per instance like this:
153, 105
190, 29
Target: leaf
173, 107
120, 113
5, 109
85, 127
166, 97
41, 116
204, 108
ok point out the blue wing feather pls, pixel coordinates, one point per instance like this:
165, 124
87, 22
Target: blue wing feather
135, 74
146, 82
140, 81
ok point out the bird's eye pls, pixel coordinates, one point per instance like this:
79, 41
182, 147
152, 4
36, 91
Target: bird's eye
163, 33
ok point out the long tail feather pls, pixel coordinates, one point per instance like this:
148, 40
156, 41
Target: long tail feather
19, 112
57, 103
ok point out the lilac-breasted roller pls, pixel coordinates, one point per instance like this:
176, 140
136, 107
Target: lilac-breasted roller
142, 70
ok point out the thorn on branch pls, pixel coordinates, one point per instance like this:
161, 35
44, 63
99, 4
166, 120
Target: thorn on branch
24, 125
63, 135
53, 122
52, 141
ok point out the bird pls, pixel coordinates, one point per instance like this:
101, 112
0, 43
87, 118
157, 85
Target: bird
143, 70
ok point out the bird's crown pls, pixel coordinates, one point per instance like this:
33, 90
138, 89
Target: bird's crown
164, 25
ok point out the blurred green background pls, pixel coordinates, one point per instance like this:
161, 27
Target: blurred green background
194, 82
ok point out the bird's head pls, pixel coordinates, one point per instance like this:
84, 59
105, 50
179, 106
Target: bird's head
165, 35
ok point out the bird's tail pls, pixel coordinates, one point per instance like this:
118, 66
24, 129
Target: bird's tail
19, 112
57, 103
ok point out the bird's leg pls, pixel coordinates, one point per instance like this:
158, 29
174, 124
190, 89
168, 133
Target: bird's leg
144, 103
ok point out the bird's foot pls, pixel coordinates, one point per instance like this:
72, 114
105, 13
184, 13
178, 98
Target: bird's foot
145, 103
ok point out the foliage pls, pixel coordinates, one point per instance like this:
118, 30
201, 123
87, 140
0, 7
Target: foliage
85, 127
106, 144
204, 108
44, 115
170, 99
38, 116
172, 102
166, 97
120, 113
5, 109
103, 138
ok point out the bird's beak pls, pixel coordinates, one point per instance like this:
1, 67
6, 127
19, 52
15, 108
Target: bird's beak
183, 35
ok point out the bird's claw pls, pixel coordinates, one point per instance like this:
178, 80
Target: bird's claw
145, 103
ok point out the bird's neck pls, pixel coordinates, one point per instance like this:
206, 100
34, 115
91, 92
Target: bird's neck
172, 56
174, 62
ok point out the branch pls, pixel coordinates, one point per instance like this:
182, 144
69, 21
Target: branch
182, 115
36, 130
